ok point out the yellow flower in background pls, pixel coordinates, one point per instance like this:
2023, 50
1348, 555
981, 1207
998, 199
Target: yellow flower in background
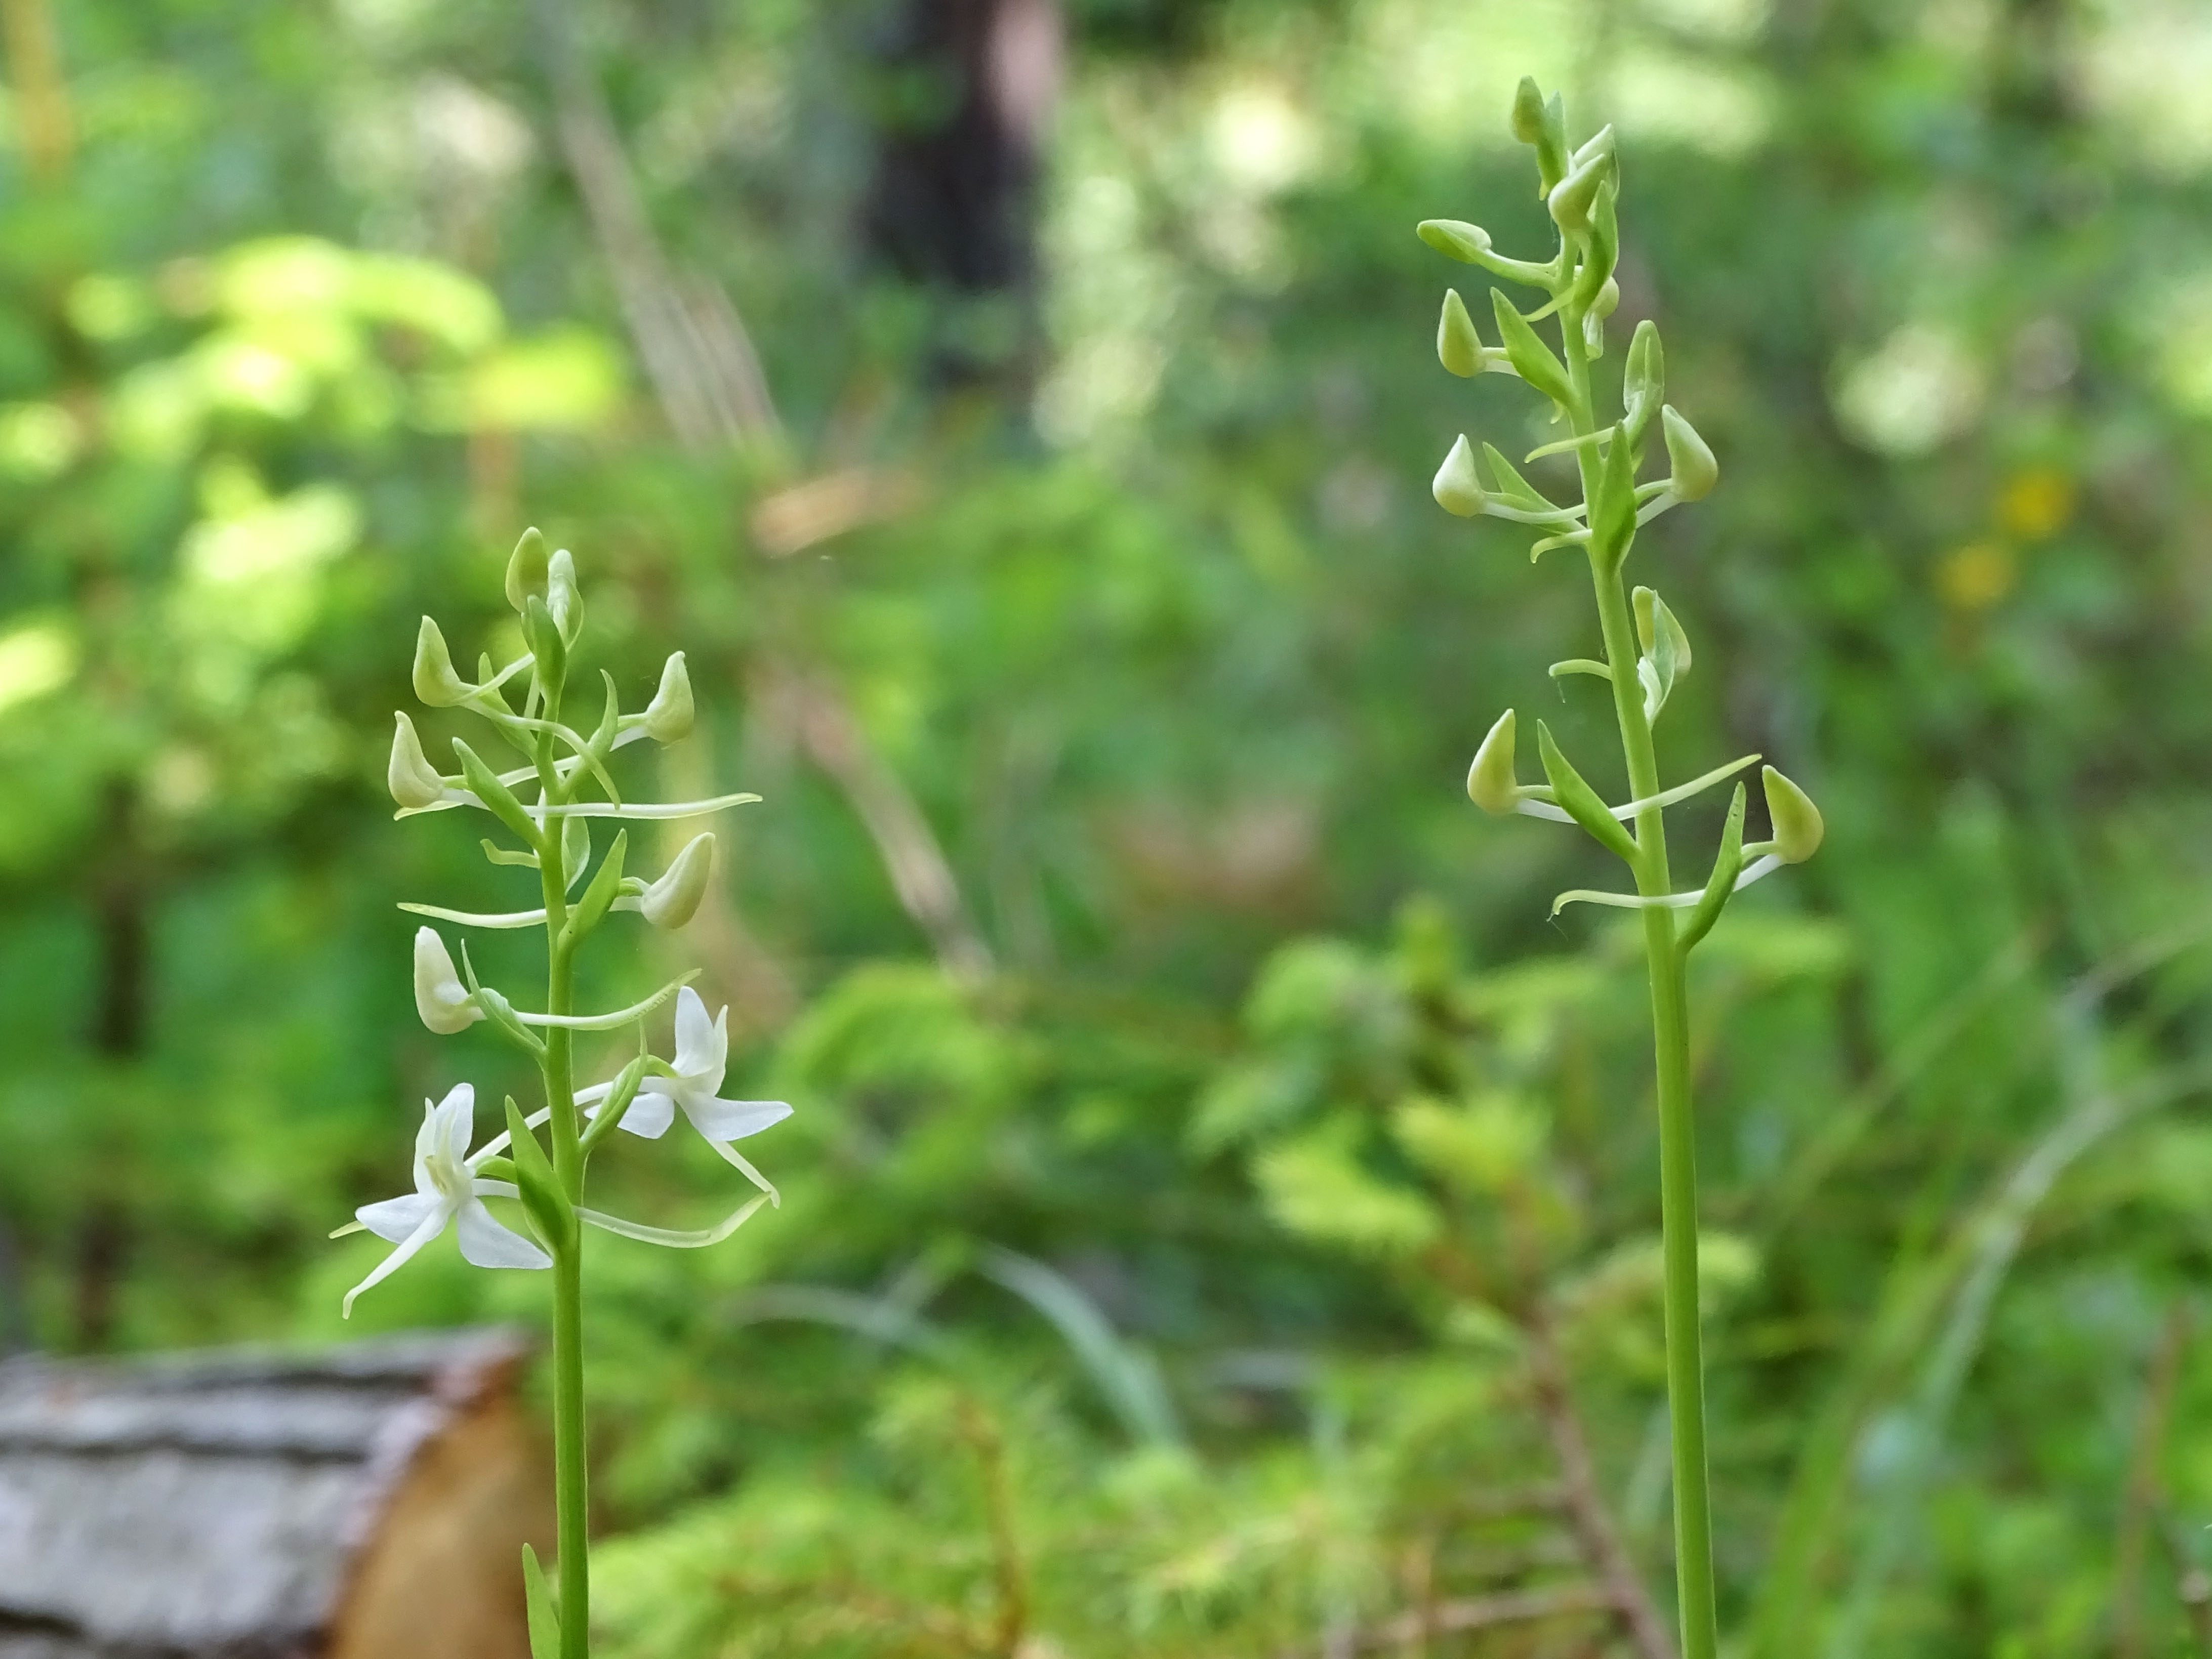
2035, 502
1976, 576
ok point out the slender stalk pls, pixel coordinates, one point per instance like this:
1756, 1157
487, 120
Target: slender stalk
1670, 1032
571, 1479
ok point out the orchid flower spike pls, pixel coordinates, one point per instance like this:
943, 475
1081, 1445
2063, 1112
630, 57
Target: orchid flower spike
447, 1006
702, 1051
446, 1192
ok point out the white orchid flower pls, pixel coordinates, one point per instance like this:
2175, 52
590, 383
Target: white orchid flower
703, 1050
448, 1191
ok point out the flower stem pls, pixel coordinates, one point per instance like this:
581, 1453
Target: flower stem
570, 1477
1678, 1161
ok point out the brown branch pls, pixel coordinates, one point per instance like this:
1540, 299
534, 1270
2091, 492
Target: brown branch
1585, 1501
35, 70
919, 873
707, 379
1012, 1574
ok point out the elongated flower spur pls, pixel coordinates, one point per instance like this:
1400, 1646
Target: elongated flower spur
543, 811
1647, 655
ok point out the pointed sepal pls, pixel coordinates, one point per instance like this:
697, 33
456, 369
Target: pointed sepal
1457, 487
1694, 469
1459, 347
1798, 828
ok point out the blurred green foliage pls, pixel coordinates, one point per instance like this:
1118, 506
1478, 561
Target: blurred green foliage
1202, 1138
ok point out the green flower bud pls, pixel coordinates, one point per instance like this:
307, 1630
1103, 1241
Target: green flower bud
441, 998
1459, 347
526, 569
1695, 471
562, 596
1796, 821
1656, 627
1600, 142
1457, 486
436, 682
409, 776
668, 716
674, 899
1573, 197
1490, 781
1455, 238
1551, 145
1528, 111
1645, 382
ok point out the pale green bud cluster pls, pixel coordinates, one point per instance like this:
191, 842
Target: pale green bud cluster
1581, 189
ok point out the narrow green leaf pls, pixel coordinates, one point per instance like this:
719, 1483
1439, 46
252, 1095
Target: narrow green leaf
1532, 360
1726, 868
1514, 490
548, 1207
483, 783
1580, 801
544, 1623
1613, 515
604, 887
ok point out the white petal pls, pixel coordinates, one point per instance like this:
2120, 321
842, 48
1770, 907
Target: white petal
702, 1047
458, 1112
734, 1120
485, 1244
394, 1218
649, 1114
433, 1225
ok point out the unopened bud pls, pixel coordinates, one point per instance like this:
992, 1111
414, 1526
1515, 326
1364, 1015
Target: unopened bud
1459, 347
668, 716
672, 901
1455, 238
1528, 111
1798, 825
1490, 781
1572, 197
1457, 486
443, 1001
562, 596
1645, 383
526, 569
1695, 471
409, 776
1600, 142
436, 682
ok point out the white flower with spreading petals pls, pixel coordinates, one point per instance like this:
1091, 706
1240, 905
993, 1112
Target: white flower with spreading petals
447, 1190
702, 1051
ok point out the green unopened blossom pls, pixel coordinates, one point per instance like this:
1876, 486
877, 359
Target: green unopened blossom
445, 1005
1459, 347
526, 569
668, 717
674, 899
1695, 471
1457, 486
436, 682
410, 777
1798, 828
1456, 239
562, 596
1491, 784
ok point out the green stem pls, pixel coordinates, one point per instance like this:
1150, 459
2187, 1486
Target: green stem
1678, 1156
571, 1479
